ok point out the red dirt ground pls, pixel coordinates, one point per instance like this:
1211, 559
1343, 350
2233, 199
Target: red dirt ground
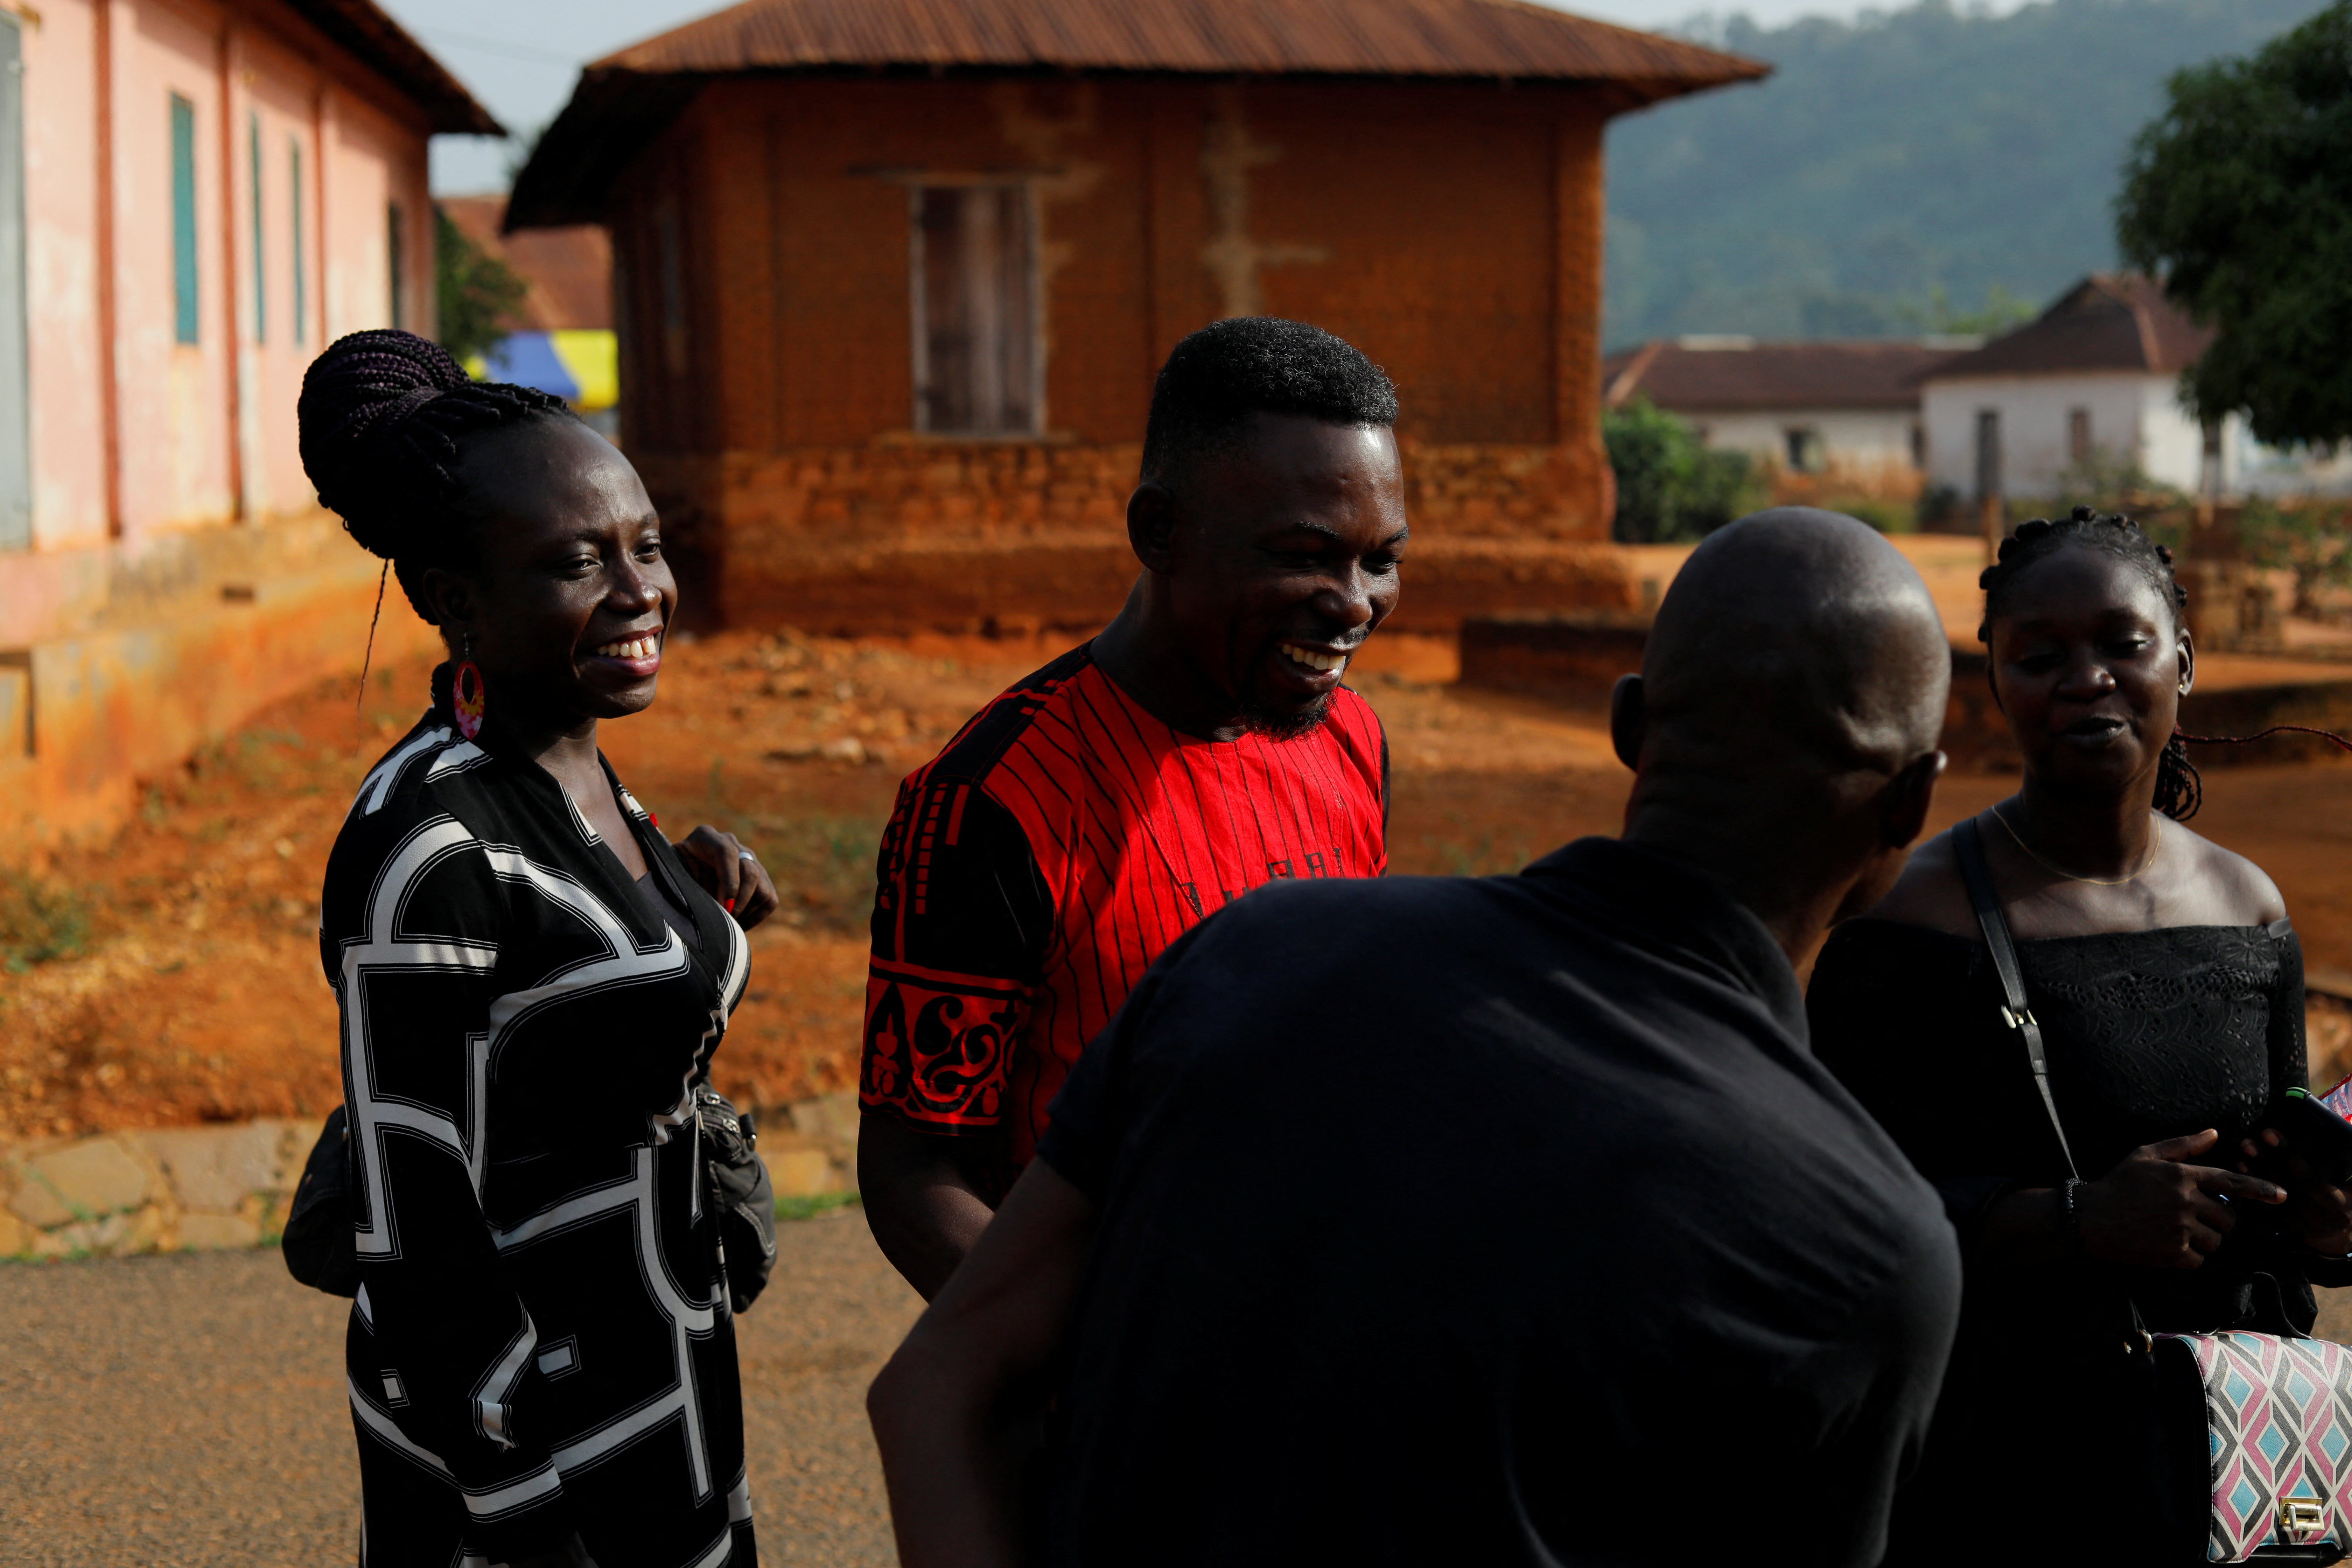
195, 994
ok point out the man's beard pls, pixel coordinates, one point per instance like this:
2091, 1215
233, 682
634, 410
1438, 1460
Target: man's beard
1286, 723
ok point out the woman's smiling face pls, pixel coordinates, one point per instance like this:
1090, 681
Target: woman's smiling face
569, 597
2089, 663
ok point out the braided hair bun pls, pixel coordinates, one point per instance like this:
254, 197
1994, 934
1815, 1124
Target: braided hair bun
381, 416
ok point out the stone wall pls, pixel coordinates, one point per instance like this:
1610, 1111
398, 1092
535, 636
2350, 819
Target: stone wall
900, 536
1572, 660
201, 1188
163, 1189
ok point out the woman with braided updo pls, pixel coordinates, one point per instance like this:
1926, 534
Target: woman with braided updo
532, 981
2167, 989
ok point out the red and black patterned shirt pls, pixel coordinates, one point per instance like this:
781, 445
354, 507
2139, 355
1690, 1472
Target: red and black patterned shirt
1033, 871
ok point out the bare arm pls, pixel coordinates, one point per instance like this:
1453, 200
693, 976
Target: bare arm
2154, 1210
922, 1197
972, 1373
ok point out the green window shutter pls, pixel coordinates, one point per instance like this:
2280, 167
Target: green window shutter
183, 219
301, 305
394, 257
260, 272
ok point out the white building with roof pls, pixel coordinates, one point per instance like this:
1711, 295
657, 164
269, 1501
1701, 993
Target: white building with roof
2092, 383
1845, 410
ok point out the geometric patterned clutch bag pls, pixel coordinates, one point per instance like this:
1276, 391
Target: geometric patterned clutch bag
2278, 1426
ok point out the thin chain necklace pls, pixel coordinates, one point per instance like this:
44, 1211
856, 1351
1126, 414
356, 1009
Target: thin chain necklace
2156, 845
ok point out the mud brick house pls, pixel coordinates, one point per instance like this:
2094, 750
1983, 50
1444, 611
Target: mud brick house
894, 276
195, 195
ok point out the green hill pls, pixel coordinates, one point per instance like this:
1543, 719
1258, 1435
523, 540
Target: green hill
1899, 173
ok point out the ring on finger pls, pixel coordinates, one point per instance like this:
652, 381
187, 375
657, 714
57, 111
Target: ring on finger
747, 855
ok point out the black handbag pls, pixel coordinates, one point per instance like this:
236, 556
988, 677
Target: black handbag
319, 1251
318, 1240
2249, 1436
735, 1182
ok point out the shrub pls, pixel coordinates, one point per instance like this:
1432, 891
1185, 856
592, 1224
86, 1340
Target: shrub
1940, 503
38, 922
1671, 488
2107, 480
1886, 516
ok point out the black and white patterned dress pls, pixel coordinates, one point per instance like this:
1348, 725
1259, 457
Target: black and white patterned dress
542, 1342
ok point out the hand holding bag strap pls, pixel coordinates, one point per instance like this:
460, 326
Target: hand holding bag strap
1968, 845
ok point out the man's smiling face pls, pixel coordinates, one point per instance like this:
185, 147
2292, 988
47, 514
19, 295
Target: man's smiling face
1285, 559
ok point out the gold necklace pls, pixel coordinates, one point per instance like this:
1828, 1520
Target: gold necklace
2155, 845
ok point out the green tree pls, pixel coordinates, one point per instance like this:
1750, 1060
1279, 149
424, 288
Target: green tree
478, 292
2003, 310
1670, 487
2239, 196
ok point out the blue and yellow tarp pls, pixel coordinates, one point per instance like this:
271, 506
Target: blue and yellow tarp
580, 366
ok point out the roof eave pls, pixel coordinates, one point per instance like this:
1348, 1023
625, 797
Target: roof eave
639, 105
363, 29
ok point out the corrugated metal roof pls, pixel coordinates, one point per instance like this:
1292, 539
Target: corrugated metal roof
2107, 321
626, 99
1381, 38
1687, 379
361, 26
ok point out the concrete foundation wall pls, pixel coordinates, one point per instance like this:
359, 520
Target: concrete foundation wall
151, 655
1574, 659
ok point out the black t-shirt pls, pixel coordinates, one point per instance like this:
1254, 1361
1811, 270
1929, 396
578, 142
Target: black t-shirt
1505, 1220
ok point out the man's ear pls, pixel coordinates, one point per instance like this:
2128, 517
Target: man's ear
1629, 718
1152, 514
1903, 807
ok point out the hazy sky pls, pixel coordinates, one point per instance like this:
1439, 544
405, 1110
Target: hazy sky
521, 57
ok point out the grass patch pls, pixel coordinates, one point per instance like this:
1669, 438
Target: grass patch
1490, 852
38, 922
811, 1206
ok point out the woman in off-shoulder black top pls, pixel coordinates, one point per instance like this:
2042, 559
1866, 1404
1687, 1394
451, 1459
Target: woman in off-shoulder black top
2150, 1033
2168, 985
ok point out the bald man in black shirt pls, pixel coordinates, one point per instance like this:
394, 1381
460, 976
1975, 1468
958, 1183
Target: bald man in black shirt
1505, 1220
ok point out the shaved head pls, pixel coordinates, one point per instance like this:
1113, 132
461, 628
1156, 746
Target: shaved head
1800, 628
1782, 732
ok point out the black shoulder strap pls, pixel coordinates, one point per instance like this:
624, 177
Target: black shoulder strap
1968, 845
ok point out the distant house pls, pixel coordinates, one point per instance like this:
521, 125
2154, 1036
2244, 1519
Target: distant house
894, 276
1848, 412
2094, 382
195, 196
562, 341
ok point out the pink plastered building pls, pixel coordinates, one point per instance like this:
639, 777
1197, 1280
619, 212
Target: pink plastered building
195, 196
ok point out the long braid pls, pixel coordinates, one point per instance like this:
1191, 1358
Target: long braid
2179, 788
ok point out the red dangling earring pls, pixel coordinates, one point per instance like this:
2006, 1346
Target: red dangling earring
467, 694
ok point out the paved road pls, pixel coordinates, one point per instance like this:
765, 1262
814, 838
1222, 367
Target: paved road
188, 1411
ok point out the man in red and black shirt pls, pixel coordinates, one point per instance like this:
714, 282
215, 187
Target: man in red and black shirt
1199, 746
